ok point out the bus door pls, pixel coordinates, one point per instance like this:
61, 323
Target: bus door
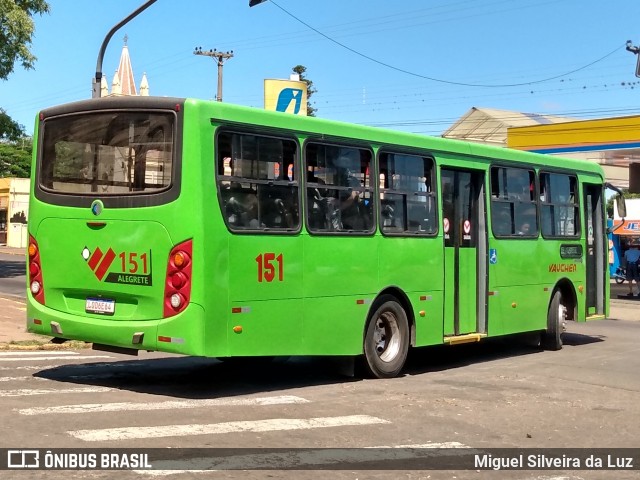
595, 257
465, 255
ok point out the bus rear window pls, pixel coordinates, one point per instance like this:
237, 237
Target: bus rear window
107, 153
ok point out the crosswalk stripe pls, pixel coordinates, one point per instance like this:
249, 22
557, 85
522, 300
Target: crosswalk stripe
30, 367
269, 425
25, 392
23, 353
22, 379
79, 357
170, 404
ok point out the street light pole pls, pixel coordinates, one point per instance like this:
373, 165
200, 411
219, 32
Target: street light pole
98, 78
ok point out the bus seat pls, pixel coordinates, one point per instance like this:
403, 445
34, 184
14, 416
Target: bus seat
278, 206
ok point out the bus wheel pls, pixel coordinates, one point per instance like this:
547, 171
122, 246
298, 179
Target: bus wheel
552, 337
386, 341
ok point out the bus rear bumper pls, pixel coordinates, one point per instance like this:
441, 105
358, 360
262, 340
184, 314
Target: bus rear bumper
183, 333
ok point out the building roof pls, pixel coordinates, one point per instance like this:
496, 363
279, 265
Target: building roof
489, 125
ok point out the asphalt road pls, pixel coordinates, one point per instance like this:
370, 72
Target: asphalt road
474, 397
12, 275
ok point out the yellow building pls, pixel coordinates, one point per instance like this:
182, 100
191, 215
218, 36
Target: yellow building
14, 211
614, 143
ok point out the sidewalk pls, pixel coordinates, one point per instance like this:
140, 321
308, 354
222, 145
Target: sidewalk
13, 251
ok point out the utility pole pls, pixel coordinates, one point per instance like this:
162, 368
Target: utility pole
219, 57
636, 51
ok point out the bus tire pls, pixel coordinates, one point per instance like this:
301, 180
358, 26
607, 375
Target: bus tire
386, 339
552, 337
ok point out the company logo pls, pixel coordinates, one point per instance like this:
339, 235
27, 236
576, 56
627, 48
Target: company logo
98, 262
286, 97
132, 268
23, 459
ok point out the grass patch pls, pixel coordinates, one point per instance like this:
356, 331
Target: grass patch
44, 344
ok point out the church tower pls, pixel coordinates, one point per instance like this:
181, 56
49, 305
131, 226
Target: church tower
123, 80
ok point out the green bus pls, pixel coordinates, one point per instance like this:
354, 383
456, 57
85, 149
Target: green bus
208, 229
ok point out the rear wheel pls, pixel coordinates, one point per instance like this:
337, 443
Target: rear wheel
556, 323
386, 340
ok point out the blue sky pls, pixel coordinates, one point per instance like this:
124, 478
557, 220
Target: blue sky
492, 43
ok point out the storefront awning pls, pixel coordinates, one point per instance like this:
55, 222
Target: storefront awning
629, 227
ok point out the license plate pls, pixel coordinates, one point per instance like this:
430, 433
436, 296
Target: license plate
100, 306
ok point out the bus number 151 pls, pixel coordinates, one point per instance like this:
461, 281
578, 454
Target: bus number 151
267, 268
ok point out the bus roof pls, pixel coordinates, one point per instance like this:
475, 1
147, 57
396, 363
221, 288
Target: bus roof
226, 112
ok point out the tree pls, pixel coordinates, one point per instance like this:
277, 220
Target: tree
16, 31
300, 70
15, 158
9, 129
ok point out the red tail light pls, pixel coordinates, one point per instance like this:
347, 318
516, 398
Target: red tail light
36, 285
177, 287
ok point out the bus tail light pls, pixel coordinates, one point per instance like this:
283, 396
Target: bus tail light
177, 288
36, 285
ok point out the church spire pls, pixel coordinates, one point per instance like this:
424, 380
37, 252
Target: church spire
125, 72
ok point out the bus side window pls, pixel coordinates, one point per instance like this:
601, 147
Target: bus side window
344, 202
256, 178
560, 210
407, 202
513, 203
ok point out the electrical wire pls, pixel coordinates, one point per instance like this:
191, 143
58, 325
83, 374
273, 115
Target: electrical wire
440, 80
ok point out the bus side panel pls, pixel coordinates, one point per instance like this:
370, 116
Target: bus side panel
340, 282
518, 299
334, 325
468, 287
449, 291
415, 266
265, 295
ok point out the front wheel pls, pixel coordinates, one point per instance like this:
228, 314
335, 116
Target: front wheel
386, 340
556, 323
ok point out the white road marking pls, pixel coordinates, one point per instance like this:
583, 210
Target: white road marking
30, 367
79, 357
269, 425
168, 405
21, 379
24, 392
23, 353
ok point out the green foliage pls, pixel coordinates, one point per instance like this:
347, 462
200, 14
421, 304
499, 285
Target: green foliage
16, 32
300, 70
15, 158
9, 129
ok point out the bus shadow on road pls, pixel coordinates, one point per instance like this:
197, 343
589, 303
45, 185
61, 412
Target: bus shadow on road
205, 378
200, 378
439, 358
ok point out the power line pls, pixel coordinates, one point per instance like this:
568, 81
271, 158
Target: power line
440, 80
